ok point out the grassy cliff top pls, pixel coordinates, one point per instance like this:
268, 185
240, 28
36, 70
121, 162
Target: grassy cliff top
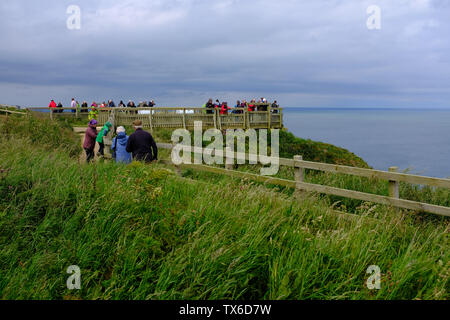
291, 145
142, 232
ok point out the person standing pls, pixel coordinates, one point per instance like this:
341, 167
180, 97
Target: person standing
141, 144
103, 133
224, 108
84, 107
275, 107
209, 107
52, 106
119, 146
94, 112
252, 106
89, 140
60, 107
73, 105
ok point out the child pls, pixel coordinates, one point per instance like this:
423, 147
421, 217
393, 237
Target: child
103, 133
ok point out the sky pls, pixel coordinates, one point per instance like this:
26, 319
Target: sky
316, 53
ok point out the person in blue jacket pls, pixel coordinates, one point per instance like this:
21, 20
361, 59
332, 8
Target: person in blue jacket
119, 145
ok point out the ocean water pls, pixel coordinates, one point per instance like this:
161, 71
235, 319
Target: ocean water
415, 140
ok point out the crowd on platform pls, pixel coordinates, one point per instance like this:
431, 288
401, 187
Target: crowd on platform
252, 106
84, 107
223, 108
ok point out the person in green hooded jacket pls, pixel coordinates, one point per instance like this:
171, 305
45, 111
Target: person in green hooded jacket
103, 133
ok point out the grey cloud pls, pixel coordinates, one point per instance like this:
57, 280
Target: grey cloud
311, 53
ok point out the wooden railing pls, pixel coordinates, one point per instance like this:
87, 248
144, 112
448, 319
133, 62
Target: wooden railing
5, 109
165, 117
300, 165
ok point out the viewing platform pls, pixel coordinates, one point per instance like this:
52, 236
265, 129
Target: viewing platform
175, 118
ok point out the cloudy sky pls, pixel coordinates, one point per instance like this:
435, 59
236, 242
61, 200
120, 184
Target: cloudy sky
315, 53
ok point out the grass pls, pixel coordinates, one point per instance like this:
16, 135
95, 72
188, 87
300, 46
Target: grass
142, 232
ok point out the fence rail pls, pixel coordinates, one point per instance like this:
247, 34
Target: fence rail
299, 165
12, 112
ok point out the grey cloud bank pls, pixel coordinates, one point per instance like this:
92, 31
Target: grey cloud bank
302, 53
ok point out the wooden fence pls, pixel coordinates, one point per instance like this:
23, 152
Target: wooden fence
299, 165
173, 118
7, 112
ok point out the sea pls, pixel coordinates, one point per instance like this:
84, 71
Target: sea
417, 141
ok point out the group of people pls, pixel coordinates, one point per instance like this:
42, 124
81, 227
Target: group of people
139, 146
84, 107
260, 105
254, 105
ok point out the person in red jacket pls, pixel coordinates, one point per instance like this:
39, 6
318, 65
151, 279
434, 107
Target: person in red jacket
89, 140
52, 106
252, 105
224, 108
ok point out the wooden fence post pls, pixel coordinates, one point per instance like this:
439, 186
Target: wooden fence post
393, 185
184, 118
269, 117
248, 119
219, 120
51, 113
298, 171
281, 117
150, 118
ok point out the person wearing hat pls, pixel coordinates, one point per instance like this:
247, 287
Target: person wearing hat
89, 140
141, 144
103, 133
119, 146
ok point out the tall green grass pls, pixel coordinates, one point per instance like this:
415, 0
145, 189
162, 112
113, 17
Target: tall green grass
141, 232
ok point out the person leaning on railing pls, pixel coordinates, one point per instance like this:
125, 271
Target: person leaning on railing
84, 107
209, 107
224, 108
275, 107
52, 106
252, 105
